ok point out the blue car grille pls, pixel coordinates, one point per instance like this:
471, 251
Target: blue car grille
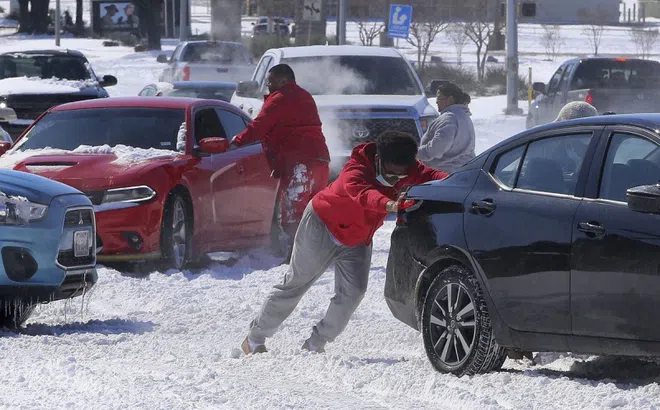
78, 219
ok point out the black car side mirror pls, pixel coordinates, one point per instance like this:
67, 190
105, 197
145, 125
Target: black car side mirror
108, 81
247, 89
162, 58
539, 87
644, 199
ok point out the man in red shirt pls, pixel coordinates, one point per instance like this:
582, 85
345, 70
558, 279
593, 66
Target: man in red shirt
290, 130
337, 228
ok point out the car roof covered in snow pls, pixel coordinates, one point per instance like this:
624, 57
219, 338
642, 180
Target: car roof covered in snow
52, 52
142, 102
322, 51
203, 84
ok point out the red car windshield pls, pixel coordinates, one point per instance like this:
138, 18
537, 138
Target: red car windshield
134, 127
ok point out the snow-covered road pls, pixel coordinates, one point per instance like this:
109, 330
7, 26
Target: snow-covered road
168, 340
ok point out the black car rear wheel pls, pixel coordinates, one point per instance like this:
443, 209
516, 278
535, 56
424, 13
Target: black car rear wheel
456, 327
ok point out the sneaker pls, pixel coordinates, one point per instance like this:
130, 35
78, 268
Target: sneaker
311, 347
248, 347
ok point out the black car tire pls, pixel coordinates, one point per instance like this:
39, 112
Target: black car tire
172, 236
447, 332
13, 314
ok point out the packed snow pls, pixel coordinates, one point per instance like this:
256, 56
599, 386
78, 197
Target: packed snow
37, 85
125, 155
166, 340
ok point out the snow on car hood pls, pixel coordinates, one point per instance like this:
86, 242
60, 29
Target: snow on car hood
124, 155
36, 85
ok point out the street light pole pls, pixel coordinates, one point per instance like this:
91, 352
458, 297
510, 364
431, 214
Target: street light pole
183, 20
341, 23
57, 22
512, 59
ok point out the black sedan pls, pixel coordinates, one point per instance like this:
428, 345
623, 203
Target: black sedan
549, 241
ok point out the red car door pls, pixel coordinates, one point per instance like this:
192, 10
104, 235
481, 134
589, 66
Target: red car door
219, 180
259, 191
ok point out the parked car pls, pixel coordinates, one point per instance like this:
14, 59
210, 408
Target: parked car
360, 92
209, 90
280, 26
47, 241
33, 81
621, 85
207, 61
549, 241
156, 196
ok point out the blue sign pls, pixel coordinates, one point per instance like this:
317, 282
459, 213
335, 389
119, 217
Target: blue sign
400, 18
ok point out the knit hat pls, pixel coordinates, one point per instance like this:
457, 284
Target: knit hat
576, 109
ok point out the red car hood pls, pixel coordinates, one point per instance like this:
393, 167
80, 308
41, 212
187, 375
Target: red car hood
85, 172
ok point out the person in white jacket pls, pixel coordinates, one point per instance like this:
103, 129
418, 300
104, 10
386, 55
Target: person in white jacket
448, 143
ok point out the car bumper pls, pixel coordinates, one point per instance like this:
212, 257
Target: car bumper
37, 260
129, 234
401, 279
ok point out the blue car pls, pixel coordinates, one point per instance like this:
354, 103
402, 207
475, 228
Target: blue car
47, 244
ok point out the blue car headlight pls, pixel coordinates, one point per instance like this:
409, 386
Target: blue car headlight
132, 194
18, 210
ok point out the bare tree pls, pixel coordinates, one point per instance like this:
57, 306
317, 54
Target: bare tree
479, 28
595, 26
459, 39
552, 40
645, 40
369, 30
422, 35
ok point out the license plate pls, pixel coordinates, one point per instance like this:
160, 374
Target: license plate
81, 244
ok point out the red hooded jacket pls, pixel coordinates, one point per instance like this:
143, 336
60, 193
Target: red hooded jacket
353, 206
289, 128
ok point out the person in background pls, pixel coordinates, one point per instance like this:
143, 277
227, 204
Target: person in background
290, 130
576, 109
337, 228
448, 143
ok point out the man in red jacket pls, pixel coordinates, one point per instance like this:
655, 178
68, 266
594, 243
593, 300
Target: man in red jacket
337, 228
290, 130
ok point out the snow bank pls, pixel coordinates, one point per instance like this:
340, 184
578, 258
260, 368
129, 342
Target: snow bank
36, 85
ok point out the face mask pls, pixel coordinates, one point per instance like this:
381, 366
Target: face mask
383, 181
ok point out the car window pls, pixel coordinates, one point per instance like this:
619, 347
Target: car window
207, 125
232, 123
553, 164
630, 162
553, 85
506, 166
44, 66
260, 73
138, 127
147, 91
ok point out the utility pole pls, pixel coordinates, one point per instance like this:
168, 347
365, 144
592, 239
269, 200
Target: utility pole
58, 21
512, 59
183, 20
341, 23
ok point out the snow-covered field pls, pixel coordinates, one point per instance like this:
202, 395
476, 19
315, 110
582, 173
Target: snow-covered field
167, 340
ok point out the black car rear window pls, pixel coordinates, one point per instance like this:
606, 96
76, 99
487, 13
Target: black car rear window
63, 67
133, 127
616, 73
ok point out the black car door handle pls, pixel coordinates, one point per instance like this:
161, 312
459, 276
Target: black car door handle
484, 206
592, 228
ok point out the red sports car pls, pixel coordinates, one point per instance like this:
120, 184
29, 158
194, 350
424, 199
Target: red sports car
162, 189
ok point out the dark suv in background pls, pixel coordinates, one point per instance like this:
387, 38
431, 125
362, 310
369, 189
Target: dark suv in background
33, 81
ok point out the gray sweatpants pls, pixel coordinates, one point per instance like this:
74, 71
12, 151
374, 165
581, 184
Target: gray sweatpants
314, 250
